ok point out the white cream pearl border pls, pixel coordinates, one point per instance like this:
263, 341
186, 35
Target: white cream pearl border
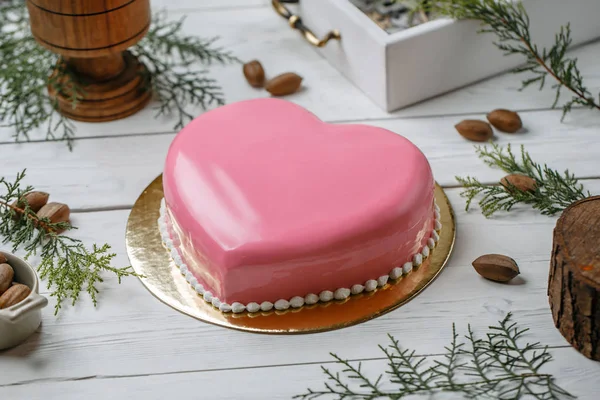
296, 301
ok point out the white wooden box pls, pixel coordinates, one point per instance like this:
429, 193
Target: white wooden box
399, 69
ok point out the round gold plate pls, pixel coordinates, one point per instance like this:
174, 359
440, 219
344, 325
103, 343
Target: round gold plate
162, 278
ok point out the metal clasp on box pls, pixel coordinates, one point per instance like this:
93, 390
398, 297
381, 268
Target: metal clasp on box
296, 23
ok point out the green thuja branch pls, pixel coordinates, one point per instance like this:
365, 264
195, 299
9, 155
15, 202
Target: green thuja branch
422, 8
447, 368
170, 56
554, 191
66, 263
28, 70
25, 69
499, 366
508, 20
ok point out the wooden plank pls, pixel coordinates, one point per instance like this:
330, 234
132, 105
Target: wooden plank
132, 333
572, 371
544, 136
258, 33
111, 172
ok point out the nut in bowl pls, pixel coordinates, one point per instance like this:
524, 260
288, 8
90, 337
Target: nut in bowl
20, 301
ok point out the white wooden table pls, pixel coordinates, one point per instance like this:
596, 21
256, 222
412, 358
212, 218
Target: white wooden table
133, 346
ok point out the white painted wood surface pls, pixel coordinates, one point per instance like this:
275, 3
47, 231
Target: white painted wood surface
133, 346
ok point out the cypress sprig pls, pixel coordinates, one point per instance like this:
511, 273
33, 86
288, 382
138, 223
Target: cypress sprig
66, 263
170, 56
509, 22
553, 193
24, 77
498, 366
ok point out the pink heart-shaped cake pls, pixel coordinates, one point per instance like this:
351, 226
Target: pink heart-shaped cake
264, 203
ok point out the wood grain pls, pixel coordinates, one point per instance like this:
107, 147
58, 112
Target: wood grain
110, 28
79, 7
574, 280
91, 37
109, 99
98, 68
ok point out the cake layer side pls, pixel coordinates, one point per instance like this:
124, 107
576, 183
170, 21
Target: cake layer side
356, 259
340, 293
366, 255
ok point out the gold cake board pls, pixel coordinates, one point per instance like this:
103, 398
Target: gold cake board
162, 278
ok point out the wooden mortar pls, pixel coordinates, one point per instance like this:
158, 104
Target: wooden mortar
92, 37
574, 281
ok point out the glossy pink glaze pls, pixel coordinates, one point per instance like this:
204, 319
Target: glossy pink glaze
268, 202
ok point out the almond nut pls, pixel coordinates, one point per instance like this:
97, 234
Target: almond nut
35, 200
475, 130
14, 295
284, 84
505, 120
521, 182
496, 267
55, 212
3, 259
6, 276
254, 73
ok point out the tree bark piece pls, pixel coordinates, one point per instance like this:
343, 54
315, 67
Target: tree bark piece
574, 280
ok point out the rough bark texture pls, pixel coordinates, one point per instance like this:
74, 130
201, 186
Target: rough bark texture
574, 281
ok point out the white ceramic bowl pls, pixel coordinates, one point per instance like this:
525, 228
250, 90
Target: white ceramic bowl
18, 322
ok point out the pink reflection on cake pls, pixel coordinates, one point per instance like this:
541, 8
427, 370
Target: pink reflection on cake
267, 202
